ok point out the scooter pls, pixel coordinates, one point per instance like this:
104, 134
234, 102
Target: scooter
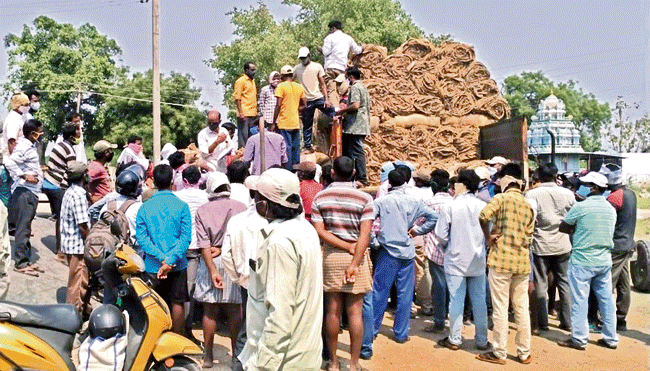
40, 337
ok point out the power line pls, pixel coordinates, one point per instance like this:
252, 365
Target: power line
72, 10
115, 96
568, 57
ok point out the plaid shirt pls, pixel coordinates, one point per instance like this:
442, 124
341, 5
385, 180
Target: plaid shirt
267, 102
74, 211
431, 246
514, 221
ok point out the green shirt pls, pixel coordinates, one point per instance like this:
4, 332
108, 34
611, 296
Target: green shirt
594, 219
358, 123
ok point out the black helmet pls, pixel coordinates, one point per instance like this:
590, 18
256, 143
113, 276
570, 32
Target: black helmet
138, 170
128, 184
106, 321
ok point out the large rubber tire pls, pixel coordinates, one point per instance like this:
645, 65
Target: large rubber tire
640, 269
180, 364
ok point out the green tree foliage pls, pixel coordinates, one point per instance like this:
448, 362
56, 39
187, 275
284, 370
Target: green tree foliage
524, 92
119, 117
60, 57
272, 43
626, 135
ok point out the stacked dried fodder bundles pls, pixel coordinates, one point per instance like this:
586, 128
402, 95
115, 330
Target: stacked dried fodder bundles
428, 103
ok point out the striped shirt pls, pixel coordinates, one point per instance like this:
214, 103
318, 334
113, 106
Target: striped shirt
514, 221
24, 160
342, 208
74, 211
57, 165
594, 219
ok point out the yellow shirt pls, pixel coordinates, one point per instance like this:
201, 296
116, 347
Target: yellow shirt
291, 92
246, 92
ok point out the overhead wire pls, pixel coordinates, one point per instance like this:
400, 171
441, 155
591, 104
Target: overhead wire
115, 96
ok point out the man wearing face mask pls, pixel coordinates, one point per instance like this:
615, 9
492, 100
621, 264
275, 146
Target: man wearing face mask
266, 103
25, 170
246, 100
133, 152
55, 177
100, 179
592, 224
357, 123
312, 77
216, 141
12, 129
509, 263
285, 286
34, 104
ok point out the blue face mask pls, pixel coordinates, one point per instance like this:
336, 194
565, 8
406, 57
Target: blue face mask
584, 191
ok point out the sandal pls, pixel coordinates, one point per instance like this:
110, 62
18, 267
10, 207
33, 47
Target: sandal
333, 367
491, 357
26, 270
36, 267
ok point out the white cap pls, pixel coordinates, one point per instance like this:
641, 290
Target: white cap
286, 70
595, 178
277, 185
482, 172
303, 52
497, 160
215, 180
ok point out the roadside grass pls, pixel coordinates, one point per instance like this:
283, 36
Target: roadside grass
642, 231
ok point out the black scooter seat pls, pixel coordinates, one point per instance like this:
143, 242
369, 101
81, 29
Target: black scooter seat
60, 317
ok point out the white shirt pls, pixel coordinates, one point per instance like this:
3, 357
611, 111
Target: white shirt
243, 236
11, 129
216, 158
239, 192
128, 156
336, 48
422, 194
131, 213
194, 198
285, 300
458, 224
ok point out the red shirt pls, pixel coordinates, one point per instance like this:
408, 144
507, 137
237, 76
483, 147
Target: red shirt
308, 190
100, 180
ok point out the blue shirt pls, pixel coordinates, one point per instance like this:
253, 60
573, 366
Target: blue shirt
163, 229
398, 212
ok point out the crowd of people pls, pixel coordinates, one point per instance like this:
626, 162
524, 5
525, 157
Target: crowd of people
283, 249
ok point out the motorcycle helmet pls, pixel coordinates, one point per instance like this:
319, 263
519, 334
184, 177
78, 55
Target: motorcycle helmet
128, 183
138, 170
106, 321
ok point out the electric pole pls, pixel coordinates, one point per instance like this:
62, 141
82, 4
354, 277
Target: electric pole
156, 82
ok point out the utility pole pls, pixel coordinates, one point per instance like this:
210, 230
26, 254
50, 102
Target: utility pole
156, 82
78, 98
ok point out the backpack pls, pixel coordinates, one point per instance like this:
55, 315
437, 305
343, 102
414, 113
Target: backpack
101, 242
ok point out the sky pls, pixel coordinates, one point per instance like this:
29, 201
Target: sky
603, 45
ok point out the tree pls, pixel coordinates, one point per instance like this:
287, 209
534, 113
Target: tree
62, 59
270, 44
524, 93
625, 135
119, 117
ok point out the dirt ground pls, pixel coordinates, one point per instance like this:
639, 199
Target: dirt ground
420, 353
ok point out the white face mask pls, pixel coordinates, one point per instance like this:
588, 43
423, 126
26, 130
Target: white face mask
23, 109
35, 105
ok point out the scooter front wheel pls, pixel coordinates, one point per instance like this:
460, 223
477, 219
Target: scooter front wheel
180, 364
